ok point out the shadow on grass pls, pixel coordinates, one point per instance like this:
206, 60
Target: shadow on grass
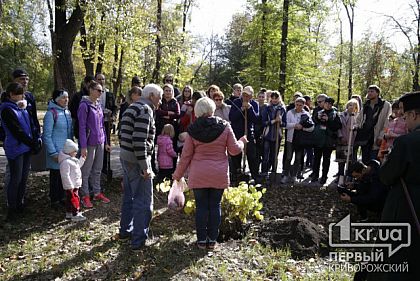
159, 261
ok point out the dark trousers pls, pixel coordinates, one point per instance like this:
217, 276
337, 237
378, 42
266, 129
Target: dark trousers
251, 156
309, 152
367, 153
271, 153
208, 214
164, 173
56, 186
288, 168
106, 153
325, 154
72, 201
16, 186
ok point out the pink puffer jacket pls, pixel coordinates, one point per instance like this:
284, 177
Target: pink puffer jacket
165, 152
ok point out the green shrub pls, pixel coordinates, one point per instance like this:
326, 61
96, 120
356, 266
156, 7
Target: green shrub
240, 205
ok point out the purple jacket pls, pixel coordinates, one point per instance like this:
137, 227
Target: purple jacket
91, 123
165, 152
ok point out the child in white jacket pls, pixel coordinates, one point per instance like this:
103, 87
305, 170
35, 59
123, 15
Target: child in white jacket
71, 176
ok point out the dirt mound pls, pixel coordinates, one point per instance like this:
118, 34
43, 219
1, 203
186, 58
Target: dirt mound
304, 238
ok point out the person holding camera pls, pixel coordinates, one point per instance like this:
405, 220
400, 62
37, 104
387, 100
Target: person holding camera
368, 193
327, 123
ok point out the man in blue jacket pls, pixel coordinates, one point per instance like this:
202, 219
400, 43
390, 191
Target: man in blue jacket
245, 109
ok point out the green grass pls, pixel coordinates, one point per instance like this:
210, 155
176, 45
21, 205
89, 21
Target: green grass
44, 246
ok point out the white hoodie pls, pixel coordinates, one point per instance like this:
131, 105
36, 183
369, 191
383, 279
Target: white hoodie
71, 175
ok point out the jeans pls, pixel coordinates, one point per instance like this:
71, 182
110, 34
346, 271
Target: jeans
137, 205
91, 170
56, 186
208, 214
16, 186
288, 169
325, 154
271, 153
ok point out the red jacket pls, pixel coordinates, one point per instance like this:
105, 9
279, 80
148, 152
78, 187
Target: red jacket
165, 152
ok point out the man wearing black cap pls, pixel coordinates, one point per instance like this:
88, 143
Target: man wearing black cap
402, 167
21, 76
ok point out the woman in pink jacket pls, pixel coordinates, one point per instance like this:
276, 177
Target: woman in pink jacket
205, 153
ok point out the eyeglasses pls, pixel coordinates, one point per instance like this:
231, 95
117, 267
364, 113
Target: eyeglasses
218, 99
169, 81
101, 91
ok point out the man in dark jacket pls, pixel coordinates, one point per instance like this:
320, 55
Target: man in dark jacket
244, 108
21, 76
369, 193
403, 167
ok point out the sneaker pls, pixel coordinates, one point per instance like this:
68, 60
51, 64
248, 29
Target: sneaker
86, 202
323, 180
69, 215
212, 245
202, 245
78, 217
101, 197
300, 176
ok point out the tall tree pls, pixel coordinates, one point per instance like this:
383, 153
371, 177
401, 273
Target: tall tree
263, 58
156, 70
349, 5
63, 29
283, 50
410, 31
186, 8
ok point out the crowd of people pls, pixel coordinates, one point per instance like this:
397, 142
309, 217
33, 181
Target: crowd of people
165, 132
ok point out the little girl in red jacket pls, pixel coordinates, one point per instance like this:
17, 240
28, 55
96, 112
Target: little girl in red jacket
166, 152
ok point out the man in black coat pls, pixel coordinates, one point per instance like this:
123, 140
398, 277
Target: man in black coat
403, 166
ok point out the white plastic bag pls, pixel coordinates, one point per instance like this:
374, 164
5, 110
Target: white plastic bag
176, 197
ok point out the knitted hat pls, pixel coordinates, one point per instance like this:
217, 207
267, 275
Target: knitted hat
70, 146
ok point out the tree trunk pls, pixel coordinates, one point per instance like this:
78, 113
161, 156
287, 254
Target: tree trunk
62, 44
283, 49
156, 71
263, 58
101, 49
187, 4
86, 54
350, 15
115, 69
416, 86
340, 70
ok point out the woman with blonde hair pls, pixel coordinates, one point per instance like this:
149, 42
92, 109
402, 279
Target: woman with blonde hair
347, 118
222, 109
